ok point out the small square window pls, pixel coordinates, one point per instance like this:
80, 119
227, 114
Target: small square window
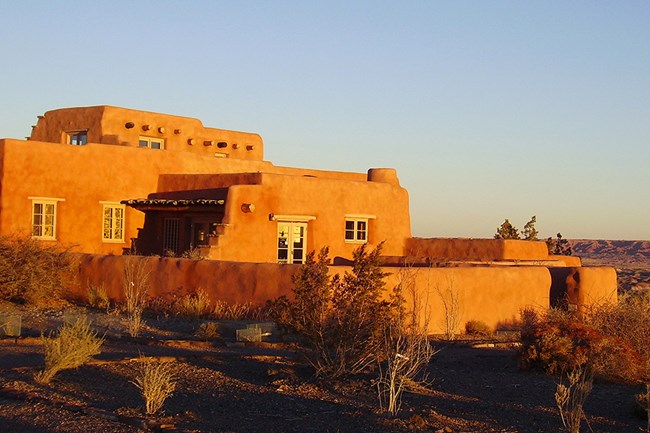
78, 138
356, 230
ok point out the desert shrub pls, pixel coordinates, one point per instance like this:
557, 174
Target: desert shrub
478, 328
156, 383
629, 321
449, 295
32, 271
341, 320
195, 305
97, 297
136, 284
74, 345
406, 349
576, 350
208, 331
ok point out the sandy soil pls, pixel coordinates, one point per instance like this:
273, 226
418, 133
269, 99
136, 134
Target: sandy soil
228, 387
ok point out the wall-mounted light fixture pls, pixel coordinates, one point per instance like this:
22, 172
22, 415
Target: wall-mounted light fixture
247, 207
271, 217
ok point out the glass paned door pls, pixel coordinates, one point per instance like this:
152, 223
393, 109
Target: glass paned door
292, 240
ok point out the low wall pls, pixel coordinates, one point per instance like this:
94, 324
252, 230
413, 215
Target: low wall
493, 294
450, 249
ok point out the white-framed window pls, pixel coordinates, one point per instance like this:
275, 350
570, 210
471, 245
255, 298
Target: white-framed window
356, 230
151, 142
112, 222
77, 138
44, 217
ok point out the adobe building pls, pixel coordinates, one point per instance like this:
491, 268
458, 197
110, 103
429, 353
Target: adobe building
106, 180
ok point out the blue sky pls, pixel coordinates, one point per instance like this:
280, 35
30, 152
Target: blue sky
488, 110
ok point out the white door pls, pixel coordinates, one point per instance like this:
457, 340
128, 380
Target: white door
292, 240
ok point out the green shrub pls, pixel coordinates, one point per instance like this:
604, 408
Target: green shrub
74, 345
478, 328
32, 271
341, 320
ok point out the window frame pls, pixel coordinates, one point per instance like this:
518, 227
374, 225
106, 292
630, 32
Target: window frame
77, 133
113, 206
42, 225
149, 142
356, 230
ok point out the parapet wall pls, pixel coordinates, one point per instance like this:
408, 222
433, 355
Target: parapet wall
485, 250
494, 295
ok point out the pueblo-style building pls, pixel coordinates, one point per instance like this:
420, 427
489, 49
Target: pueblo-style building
106, 180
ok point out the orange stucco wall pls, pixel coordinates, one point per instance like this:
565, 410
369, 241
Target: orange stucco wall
439, 249
495, 295
108, 125
85, 176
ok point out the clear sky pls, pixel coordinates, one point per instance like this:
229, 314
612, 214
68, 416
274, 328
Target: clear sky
487, 109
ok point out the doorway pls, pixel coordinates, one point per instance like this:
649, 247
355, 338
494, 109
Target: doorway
292, 241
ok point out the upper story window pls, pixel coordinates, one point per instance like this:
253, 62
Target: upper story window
44, 217
151, 142
112, 222
356, 230
77, 138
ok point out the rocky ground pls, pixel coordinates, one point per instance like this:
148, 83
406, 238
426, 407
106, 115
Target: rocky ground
225, 386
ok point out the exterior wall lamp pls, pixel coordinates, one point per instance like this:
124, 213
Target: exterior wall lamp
248, 207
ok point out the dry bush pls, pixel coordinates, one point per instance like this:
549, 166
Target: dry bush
98, 298
577, 350
74, 345
406, 349
33, 271
570, 399
137, 274
208, 331
628, 321
195, 305
478, 328
156, 383
450, 297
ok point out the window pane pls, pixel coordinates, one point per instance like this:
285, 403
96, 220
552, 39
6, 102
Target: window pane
155, 144
143, 143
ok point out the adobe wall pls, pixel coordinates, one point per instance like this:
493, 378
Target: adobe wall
493, 295
486, 250
253, 236
108, 125
86, 175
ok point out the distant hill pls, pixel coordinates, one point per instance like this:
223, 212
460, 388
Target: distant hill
631, 250
630, 258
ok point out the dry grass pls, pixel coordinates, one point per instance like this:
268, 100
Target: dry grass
75, 344
156, 383
196, 305
137, 274
33, 272
98, 298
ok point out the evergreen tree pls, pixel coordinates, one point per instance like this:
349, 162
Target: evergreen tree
529, 232
507, 231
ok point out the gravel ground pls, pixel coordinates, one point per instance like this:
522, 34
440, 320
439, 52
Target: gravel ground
227, 387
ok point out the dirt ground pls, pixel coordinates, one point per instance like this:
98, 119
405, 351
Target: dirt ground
223, 386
